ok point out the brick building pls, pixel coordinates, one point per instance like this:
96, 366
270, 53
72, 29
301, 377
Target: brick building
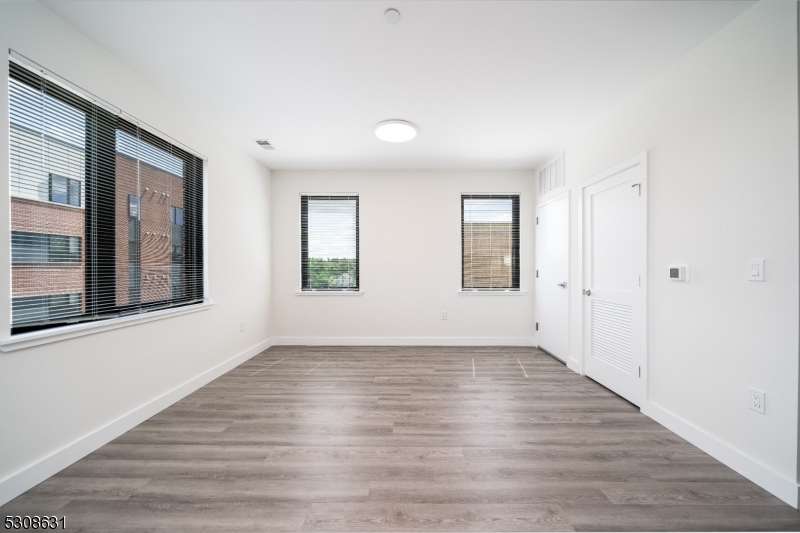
488, 250
149, 236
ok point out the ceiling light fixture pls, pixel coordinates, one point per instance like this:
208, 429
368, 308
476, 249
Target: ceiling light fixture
395, 131
392, 16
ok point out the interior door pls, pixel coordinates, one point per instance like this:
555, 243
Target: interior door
613, 260
552, 271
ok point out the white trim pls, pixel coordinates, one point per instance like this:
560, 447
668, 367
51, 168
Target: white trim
491, 194
206, 243
575, 366
640, 159
33, 474
479, 292
46, 336
329, 293
779, 485
551, 199
334, 194
402, 341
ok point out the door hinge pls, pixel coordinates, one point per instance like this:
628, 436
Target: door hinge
640, 371
537, 273
537, 221
537, 326
640, 280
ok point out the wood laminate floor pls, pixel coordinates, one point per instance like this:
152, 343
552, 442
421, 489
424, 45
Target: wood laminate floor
402, 439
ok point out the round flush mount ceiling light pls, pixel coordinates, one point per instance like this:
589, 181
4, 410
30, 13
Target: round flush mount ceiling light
395, 131
392, 16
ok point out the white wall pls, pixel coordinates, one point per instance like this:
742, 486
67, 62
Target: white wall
721, 131
60, 398
410, 262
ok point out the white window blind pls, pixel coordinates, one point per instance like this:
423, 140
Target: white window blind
93, 198
329, 243
490, 242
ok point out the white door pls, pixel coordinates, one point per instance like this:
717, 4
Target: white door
552, 271
613, 261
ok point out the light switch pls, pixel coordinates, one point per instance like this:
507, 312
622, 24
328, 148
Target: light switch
755, 270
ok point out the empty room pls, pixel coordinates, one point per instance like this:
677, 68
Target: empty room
372, 265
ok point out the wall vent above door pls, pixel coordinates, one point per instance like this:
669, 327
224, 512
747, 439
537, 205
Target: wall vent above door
551, 177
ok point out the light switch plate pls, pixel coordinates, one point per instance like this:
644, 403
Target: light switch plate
755, 270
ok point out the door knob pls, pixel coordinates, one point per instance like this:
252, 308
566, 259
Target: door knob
587, 292
563, 284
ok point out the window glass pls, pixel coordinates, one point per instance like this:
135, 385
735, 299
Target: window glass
329, 234
490, 242
58, 189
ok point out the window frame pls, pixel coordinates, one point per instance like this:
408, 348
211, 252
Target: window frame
13, 337
357, 290
70, 184
515, 287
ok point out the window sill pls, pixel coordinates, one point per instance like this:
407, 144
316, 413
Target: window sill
329, 293
469, 292
37, 338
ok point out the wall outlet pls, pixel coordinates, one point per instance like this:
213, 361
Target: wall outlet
755, 400
444, 315
241, 326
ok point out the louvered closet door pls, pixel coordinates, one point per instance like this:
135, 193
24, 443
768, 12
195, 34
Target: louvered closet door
612, 313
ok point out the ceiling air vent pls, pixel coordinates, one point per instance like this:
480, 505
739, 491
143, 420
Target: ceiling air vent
551, 177
263, 143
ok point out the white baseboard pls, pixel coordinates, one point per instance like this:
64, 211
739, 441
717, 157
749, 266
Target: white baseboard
30, 476
402, 341
575, 366
779, 485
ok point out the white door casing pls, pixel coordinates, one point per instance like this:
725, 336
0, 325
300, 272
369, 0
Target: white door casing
552, 275
614, 260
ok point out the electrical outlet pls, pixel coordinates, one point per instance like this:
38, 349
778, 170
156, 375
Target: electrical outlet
444, 315
755, 400
241, 326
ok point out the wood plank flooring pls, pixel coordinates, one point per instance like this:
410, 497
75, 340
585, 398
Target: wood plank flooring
402, 439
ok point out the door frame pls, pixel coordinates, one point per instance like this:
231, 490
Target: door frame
641, 325
552, 199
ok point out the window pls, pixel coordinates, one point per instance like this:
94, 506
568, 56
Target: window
45, 307
329, 243
65, 190
116, 251
490, 242
27, 247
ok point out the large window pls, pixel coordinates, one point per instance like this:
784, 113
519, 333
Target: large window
329, 243
95, 229
490, 242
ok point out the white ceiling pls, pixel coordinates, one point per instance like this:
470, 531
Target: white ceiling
490, 84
